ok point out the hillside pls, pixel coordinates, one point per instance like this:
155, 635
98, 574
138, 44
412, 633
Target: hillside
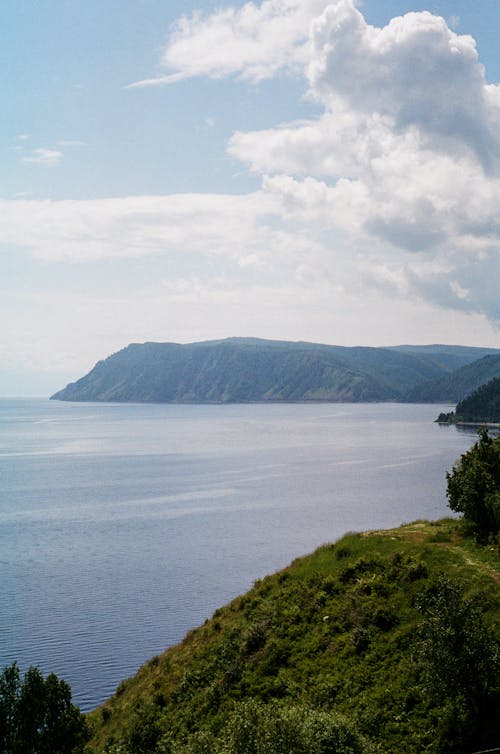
448, 357
348, 650
458, 384
247, 369
482, 406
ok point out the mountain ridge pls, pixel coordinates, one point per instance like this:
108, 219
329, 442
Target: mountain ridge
457, 385
256, 370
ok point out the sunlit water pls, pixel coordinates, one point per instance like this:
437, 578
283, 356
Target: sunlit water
122, 526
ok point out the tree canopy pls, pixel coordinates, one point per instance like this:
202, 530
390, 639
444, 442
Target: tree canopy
37, 715
458, 658
474, 486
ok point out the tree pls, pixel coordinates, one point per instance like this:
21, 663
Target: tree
37, 715
459, 661
474, 486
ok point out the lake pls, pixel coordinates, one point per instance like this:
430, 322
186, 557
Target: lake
124, 525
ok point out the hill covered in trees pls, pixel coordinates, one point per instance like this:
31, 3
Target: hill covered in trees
247, 369
482, 406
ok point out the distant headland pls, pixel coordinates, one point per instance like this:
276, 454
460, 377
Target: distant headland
241, 370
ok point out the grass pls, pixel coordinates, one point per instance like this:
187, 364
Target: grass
334, 632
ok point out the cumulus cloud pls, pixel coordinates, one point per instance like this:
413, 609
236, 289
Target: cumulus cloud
254, 42
414, 72
395, 187
415, 80
46, 157
405, 158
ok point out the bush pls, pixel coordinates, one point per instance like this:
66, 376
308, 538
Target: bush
256, 728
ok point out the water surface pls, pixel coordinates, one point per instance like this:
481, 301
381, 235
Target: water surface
124, 525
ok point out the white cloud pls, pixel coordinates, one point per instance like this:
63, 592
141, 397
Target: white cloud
414, 72
405, 158
377, 217
254, 41
45, 157
235, 227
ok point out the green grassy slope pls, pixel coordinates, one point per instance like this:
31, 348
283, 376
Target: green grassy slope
335, 633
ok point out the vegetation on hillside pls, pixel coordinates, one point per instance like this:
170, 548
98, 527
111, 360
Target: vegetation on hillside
458, 384
246, 369
482, 406
383, 642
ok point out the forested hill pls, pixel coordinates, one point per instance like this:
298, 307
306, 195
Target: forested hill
248, 369
483, 405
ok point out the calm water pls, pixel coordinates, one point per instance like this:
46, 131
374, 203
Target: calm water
122, 526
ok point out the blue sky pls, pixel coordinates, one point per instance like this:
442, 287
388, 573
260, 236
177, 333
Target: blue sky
295, 169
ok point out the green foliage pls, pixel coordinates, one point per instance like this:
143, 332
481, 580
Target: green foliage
474, 486
458, 658
253, 727
256, 728
483, 405
328, 654
37, 715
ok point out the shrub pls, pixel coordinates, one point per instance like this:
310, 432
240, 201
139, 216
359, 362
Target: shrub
256, 728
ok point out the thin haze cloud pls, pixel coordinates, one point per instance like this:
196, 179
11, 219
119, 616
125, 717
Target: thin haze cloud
46, 157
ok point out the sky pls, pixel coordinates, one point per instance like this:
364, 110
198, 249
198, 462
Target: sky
320, 170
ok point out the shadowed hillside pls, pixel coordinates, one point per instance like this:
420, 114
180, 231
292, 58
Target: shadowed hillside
456, 385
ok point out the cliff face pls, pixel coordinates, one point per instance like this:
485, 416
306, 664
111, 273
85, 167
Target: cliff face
243, 370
